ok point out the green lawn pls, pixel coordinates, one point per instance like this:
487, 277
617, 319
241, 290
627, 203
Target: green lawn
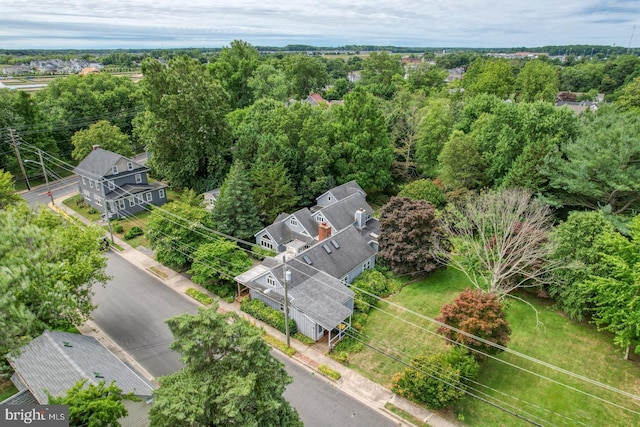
561, 342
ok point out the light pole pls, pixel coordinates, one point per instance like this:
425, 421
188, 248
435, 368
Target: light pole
44, 172
287, 277
106, 209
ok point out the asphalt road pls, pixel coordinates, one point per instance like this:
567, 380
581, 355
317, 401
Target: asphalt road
132, 309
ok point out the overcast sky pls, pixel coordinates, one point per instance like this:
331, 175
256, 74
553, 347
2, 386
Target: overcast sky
103, 24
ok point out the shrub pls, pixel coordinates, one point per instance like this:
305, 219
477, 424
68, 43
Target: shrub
436, 380
303, 338
328, 372
370, 286
424, 189
133, 232
199, 296
118, 228
268, 315
92, 211
260, 253
225, 290
274, 342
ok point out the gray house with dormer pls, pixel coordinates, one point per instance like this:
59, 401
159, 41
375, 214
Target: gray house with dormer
341, 207
327, 246
110, 182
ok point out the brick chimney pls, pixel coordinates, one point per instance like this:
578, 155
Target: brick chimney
324, 231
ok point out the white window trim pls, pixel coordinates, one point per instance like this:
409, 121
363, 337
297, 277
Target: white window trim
161, 193
84, 181
138, 178
139, 199
294, 222
121, 205
130, 166
111, 185
132, 201
91, 184
149, 197
271, 281
114, 169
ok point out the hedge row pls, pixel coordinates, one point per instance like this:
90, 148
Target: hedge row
268, 315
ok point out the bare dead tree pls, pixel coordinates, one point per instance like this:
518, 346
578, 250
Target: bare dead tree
501, 241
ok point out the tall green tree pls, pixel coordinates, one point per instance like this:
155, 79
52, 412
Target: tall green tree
362, 150
229, 378
269, 82
47, 270
600, 167
184, 125
433, 132
175, 231
578, 247
273, 190
235, 210
233, 67
306, 74
218, 262
379, 73
8, 195
95, 405
491, 76
614, 289
461, 163
105, 135
537, 81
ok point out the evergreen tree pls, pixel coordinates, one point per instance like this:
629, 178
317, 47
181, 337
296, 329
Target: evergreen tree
235, 210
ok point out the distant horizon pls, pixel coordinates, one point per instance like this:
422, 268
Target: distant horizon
164, 24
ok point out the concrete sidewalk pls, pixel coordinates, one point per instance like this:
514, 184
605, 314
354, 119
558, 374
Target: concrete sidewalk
356, 385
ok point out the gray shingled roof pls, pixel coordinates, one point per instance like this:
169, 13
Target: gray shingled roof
353, 250
342, 213
344, 190
55, 361
99, 162
281, 233
313, 292
23, 397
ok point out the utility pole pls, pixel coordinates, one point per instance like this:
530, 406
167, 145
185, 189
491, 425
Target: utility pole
106, 210
15, 147
46, 179
287, 277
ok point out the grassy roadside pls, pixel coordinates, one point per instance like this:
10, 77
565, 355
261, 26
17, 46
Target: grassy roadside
573, 346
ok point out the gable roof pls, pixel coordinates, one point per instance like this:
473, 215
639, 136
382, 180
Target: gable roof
281, 232
55, 361
99, 162
315, 293
344, 190
351, 251
342, 213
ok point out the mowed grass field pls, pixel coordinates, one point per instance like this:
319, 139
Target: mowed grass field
542, 394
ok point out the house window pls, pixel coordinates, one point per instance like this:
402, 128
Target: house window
121, 204
114, 169
91, 184
138, 178
111, 185
320, 218
293, 222
161, 193
329, 198
139, 199
265, 243
97, 199
344, 279
87, 195
129, 166
84, 181
149, 197
367, 264
132, 201
271, 281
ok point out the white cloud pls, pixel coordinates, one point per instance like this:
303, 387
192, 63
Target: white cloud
200, 23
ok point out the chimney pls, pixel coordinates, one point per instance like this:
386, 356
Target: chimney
95, 147
324, 231
360, 218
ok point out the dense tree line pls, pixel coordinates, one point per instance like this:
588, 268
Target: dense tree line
236, 118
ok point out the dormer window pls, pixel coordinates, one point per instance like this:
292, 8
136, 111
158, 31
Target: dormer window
293, 222
329, 198
271, 281
114, 169
130, 166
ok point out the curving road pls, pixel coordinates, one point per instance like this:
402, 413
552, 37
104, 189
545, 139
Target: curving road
132, 309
